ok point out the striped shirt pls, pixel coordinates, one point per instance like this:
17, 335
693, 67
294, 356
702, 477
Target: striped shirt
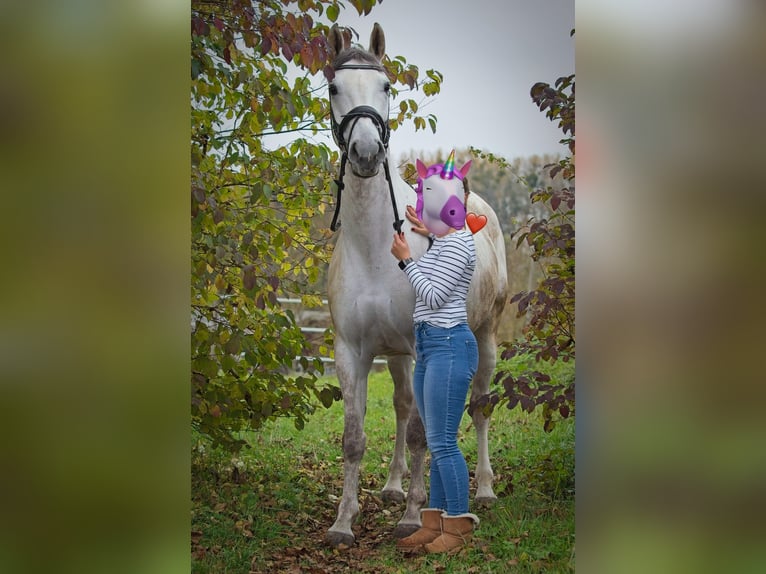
441, 279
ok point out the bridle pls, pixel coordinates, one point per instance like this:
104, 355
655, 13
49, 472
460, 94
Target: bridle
384, 131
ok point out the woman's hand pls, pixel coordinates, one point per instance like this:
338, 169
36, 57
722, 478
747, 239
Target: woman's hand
418, 226
400, 248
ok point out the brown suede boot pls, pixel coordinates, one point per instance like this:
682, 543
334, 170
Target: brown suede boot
456, 532
431, 529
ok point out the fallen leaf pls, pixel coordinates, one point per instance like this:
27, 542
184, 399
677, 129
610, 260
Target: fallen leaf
199, 554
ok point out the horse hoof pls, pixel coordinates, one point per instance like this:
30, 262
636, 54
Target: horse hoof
404, 530
392, 496
485, 501
339, 540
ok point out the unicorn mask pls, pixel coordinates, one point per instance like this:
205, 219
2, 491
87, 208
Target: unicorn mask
440, 203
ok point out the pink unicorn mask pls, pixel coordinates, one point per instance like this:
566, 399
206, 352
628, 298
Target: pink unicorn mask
440, 204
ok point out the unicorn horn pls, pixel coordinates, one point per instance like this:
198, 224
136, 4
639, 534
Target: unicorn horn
448, 171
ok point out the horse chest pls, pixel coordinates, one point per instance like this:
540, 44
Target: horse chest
371, 306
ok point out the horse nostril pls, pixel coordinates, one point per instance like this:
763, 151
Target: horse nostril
366, 152
452, 212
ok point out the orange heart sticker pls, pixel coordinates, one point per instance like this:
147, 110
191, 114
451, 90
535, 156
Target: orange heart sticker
475, 222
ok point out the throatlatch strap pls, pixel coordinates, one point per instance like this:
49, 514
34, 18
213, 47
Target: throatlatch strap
397, 222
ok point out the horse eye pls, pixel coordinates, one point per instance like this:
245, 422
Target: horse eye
387, 87
333, 90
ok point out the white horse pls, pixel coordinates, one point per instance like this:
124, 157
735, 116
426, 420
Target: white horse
371, 300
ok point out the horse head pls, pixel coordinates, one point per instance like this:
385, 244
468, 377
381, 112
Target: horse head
359, 100
441, 203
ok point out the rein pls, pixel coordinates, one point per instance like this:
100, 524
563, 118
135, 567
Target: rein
383, 130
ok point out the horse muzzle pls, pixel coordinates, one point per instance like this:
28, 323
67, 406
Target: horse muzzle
366, 157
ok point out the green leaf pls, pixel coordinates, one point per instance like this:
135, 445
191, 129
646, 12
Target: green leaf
232, 346
326, 396
332, 12
206, 366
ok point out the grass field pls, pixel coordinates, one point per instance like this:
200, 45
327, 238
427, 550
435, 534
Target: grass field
267, 510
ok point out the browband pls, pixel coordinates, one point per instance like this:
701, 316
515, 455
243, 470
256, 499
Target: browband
361, 67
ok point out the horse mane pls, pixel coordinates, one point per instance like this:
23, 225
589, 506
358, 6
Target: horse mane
356, 53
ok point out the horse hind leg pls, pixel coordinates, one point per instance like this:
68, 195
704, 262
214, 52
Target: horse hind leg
416, 497
485, 338
400, 368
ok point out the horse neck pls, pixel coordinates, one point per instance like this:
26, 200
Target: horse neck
367, 214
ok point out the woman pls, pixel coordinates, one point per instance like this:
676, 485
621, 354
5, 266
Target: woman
447, 353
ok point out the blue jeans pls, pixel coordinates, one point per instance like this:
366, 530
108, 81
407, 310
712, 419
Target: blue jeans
446, 360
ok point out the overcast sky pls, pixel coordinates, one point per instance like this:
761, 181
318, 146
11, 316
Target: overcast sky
490, 52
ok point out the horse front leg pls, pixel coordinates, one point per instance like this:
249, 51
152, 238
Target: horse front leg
485, 338
400, 367
352, 374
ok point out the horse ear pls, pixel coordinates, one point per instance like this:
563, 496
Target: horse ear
422, 169
464, 170
338, 40
378, 41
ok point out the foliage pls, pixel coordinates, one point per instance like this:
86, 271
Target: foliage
549, 334
528, 383
551, 306
254, 206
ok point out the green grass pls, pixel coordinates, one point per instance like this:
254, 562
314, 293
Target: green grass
267, 510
